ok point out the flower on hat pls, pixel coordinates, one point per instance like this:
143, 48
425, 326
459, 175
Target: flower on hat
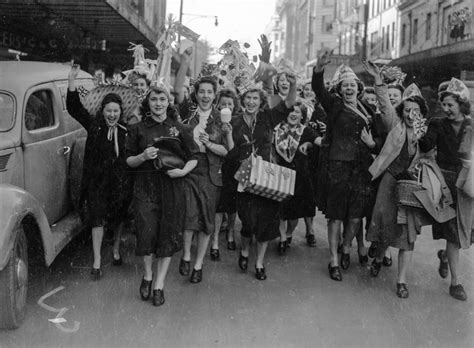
457, 87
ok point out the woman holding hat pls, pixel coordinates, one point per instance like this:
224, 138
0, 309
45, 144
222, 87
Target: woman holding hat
159, 203
452, 137
105, 182
349, 186
396, 161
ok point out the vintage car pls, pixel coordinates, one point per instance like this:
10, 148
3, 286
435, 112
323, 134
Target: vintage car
41, 153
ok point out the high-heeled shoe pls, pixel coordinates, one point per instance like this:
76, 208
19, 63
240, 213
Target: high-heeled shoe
345, 261
375, 268
363, 259
387, 261
288, 241
215, 254
184, 267
402, 290
145, 289
260, 273
372, 250
243, 262
158, 297
281, 249
96, 274
334, 272
443, 268
311, 240
196, 276
231, 245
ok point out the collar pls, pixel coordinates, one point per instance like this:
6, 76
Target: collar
150, 122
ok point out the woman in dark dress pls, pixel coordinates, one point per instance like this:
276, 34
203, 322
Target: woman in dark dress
204, 183
293, 142
159, 203
452, 137
254, 132
349, 185
105, 182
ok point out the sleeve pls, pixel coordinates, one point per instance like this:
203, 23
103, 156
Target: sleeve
308, 135
326, 99
132, 141
190, 147
278, 114
77, 110
429, 141
388, 114
183, 109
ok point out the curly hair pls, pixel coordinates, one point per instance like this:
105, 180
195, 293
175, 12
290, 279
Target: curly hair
262, 95
229, 93
304, 110
414, 99
145, 107
464, 105
205, 79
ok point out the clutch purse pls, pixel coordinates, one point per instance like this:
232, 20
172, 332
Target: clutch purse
169, 155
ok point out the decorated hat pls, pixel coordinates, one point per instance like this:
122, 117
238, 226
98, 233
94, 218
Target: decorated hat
411, 91
343, 72
457, 87
93, 99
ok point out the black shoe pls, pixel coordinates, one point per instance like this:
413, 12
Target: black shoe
117, 262
145, 289
196, 276
184, 267
363, 259
260, 273
375, 268
339, 249
402, 290
457, 291
311, 240
243, 262
281, 249
372, 250
96, 274
231, 245
215, 254
443, 268
288, 241
334, 272
158, 297
345, 261
387, 261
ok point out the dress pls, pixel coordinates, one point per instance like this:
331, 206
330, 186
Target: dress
159, 202
260, 216
441, 135
106, 182
205, 181
302, 203
344, 158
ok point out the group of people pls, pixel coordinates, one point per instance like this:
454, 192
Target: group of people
351, 152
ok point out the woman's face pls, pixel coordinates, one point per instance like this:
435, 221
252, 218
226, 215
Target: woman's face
205, 96
395, 96
295, 117
111, 113
349, 90
283, 85
252, 102
308, 92
370, 98
226, 102
410, 109
158, 103
451, 108
139, 85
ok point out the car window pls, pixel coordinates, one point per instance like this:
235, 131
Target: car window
6, 112
39, 110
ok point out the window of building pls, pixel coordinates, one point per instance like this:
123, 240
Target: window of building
415, 31
393, 34
327, 25
39, 110
428, 26
388, 38
383, 39
404, 34
373, 42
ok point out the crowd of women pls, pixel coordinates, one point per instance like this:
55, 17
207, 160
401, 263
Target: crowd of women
351, 148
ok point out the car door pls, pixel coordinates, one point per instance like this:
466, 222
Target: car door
45, 150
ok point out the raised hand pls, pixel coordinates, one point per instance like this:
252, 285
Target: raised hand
373, 70
323, 59
265, 46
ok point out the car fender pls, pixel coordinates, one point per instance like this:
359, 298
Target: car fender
15, 205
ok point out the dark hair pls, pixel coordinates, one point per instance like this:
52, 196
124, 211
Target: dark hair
415, 99
396, 86
205, 79
360, 87
369, 90
111, 98
304, 110
275, 85
261, 93
136, 76
145, 107
464, 105
229, 93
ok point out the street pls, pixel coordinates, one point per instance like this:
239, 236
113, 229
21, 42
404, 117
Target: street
297, 306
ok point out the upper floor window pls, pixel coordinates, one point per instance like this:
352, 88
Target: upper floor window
404, 34
428, 26
415, 31
39, 110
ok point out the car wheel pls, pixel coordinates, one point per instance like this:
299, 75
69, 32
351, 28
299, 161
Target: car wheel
14, 284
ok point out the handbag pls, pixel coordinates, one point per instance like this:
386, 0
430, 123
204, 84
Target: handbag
265, 179
169, 155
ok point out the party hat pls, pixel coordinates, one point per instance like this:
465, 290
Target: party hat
457, 87
411, 91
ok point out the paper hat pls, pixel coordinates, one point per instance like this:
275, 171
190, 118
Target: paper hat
457, 87
343, 72
411, 91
